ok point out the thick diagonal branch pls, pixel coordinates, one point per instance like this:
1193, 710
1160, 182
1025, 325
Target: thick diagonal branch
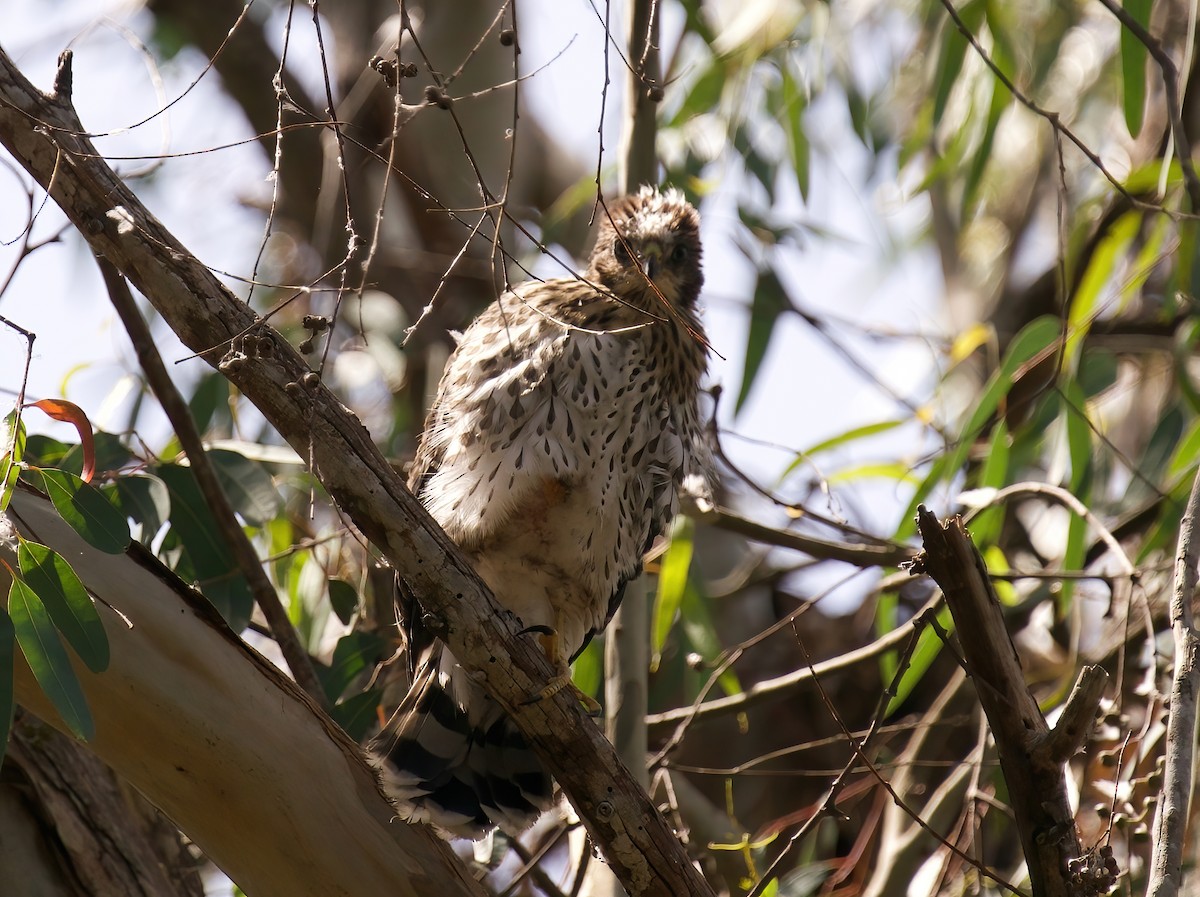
44, 135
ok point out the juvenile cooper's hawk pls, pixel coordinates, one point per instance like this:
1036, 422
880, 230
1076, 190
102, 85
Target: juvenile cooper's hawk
563, 427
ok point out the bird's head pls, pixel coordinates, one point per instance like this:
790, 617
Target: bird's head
652, 237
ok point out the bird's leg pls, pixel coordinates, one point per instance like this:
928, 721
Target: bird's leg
551, 646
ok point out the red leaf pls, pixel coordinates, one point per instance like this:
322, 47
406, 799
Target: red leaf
61, 409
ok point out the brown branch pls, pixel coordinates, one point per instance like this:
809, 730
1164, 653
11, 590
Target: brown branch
43, 132
175, 407
858, 554
1171, 817
1033, 771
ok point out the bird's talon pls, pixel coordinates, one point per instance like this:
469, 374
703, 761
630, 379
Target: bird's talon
537, 630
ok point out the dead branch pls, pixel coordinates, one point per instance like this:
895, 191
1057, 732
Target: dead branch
1031, 754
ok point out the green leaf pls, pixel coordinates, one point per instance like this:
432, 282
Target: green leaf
7, 659
1001, 100
355, 653
954, 49
1073, 558
794, 104
697, 625
210, 401
587, 670
249, 487
87, 511
12, 453
344, 599
985, 528
48, 574
1186, 454
929, 645
212, 563
42, 451
887, 470
47, 658
703, 96
672, 581
1034, 339
356, 714
142, 498
770, 300
1086, 304
1133, 67
1079, 439
852, 435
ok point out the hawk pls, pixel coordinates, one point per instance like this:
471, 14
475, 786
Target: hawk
564, 426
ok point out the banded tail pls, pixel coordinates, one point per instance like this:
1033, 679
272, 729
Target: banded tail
451, 757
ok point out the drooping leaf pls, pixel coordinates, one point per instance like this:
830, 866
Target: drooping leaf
985, 527
343, 597
1079, 438
770, 301
1034, 340
212, 563
953, 51
248, 486
794, 103
87, 511
142, 498
1085, 303
1000, 102
210, 401
354, 653
67, 601
697, 625
587, 670
12, 453
47, 658
672, 581
1133, 67
929, 645
69, 412
1186, 454
701, 98
356, 714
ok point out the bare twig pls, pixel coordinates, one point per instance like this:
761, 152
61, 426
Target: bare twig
861, 555
1171, 817
769, 689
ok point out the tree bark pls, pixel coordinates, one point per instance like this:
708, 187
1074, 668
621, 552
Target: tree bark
222, 742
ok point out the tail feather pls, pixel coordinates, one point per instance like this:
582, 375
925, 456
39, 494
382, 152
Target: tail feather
451, 757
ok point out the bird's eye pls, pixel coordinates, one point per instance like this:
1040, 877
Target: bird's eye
622, 252
680, 254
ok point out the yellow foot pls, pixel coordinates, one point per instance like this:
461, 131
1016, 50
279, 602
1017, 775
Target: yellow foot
551, 646
557, 684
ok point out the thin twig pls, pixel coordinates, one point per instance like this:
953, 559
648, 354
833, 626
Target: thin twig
176, 409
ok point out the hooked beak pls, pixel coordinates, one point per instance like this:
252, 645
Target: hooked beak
651, 260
